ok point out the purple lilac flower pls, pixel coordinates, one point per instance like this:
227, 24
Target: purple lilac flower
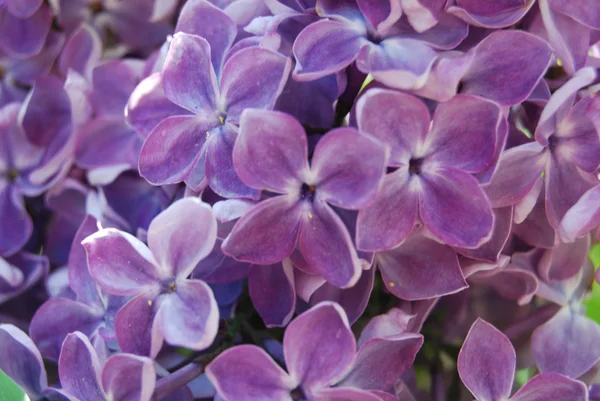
24, 25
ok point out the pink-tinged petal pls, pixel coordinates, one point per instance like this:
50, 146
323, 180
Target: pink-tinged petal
247, 373
319, 346
490, 15
327, 246
173, 148
148, 105
201, 18
345, 394
325, 47
381, 14
268, 233
21, 360
420, 268
463, 134
582, 217
486, 362
24, 37
564, 260
565, 185
182, 235
58, 317
120, 263
566, 344
348, 167
507, 67
81, 52
79, 368
454, 208
580, 10
490, 251
393, 323
395, 118
390, 218
137, 326
220, 171
381, 361
547, 386
129, 377
271, 151
16, 226
189, 316
247, 70
518, 171
189, 79
272, 292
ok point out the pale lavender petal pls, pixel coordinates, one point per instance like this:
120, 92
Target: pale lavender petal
345, 394
189, 317
348, 167
268, 157
319, 346
129, 377
486, 362
201, 18
136, 328
79, 368
268, 233
174, 147
463, 133
182, 235
566, 344
420, 268
327, 246
392, 323
390, 218
266, 70
454, 208
272, 292
550, 385
247, 373
24, 36
81, 52
325, 47
16, 226
582, 217
189, 79
120, 263
490, 15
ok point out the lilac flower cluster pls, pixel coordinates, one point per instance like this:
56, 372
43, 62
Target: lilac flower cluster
300, 200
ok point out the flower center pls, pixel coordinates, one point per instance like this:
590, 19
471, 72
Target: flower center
414, 166
12, 174
222, 118
96, 6
298, 395
552, 143
2, 72
308, 192
169, 286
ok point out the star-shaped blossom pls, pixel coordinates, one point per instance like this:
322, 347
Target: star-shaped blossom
322, 361
486, 365
271, 154
433, 161
166, 304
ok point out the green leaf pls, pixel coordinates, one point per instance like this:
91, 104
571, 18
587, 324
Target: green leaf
9, 390
592, 302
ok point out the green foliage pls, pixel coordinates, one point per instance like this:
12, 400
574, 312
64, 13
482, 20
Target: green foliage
592, 303
9, 391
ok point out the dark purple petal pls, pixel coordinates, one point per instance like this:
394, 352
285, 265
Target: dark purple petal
551, 386
582, 217
325, 47
189, 317
420, 268
81, 52
182, 236
319, 346
486, 362
120, 263
490, 15
348, 167
129, 377
24, 36
392, 323
23, 8
247, 373
390, 218
345, 394
566, 344
381, 14
327, 246
509, 282
136, 328
268, 157
454, 208
490, 251
268, 233
113, 82
189, 78
79, 368
564, 260
266, 70
15, 226
272, 292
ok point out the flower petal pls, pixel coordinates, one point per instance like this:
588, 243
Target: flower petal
16, 226
564, 261
486, 362
271, 151
319, 346
120, 263
137, 328
455, 209
582, 217
247, 373
490, 15
24, 37
551, 386
344, 394
182, 235
381, 14
129, 377
272, 292
581, 11
189, 79
79, 368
